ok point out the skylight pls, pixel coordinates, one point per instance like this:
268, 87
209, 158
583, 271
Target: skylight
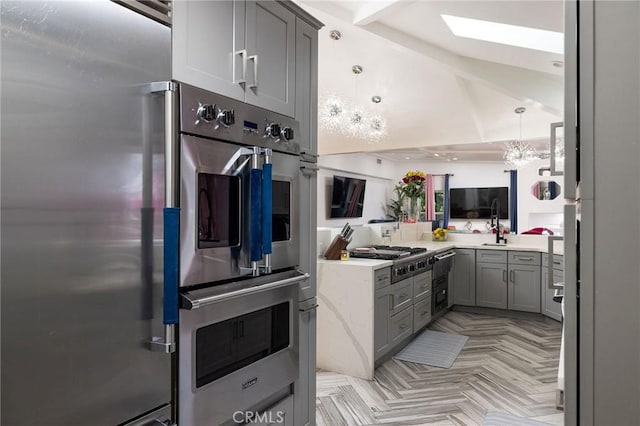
512, 35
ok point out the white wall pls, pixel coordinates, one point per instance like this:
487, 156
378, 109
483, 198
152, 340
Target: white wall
378, 190
381, 178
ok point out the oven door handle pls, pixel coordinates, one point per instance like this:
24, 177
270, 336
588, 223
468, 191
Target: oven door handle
446, 256
197, 303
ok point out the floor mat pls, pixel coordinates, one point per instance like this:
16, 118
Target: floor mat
433, 348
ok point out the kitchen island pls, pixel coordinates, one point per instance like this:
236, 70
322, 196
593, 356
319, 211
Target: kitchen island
351, 293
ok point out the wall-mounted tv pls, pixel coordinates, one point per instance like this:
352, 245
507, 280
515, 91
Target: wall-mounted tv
347, 199
475, 203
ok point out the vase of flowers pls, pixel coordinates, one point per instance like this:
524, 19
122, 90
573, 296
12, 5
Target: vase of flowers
412, 188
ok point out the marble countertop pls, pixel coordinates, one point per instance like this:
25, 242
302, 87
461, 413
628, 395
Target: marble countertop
437, 246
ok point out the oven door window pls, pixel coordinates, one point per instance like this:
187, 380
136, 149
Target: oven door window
230, 345
281, 214
219, 210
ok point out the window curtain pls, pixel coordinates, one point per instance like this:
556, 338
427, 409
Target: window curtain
429, 199
513, 200
445, 219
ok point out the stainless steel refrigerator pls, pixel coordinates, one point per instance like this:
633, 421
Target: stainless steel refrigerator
82, 183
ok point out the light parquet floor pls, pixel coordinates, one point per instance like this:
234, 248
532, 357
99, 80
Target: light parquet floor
507, 365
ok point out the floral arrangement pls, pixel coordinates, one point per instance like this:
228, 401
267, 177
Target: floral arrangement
412, 185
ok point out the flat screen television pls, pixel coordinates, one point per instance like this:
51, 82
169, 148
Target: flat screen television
475, 203
347, 199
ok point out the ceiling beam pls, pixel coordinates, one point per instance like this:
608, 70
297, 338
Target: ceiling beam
371, 12
545, 89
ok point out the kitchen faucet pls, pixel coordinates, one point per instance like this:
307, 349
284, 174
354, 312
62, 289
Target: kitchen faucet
495, 204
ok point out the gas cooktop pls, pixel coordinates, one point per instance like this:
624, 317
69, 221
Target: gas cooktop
386, 252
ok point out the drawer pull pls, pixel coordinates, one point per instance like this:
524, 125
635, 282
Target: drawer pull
423, 313
403, 326
524, 258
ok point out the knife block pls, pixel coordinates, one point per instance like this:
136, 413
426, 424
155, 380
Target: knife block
335, 248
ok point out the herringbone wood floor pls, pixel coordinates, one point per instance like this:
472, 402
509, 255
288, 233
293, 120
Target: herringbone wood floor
507, 365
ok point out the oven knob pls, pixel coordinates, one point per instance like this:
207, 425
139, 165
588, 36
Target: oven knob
412, 268
225, 117
287, 133
206, 113
272, 131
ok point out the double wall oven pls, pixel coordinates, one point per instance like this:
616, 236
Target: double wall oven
239, 250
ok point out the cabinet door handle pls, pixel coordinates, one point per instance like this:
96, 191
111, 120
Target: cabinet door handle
393, 302
403, 326
254, 59
243, 55
504, 275
512, 276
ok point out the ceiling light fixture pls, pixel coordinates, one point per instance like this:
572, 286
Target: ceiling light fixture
511, 35
338, 116
518, 152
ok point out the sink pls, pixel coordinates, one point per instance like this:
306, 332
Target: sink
495, 244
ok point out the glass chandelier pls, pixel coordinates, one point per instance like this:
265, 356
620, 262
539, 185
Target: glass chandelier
339, 116
518, 153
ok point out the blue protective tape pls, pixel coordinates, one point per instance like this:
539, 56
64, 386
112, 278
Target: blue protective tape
267, 201
256, 215
171, 264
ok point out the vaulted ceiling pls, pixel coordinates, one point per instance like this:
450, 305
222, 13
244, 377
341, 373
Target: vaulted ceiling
439, 91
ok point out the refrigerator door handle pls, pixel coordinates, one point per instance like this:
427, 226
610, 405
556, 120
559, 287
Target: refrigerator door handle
171, 214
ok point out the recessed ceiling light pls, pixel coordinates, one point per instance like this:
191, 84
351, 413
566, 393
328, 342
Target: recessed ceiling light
436, 155
407, 158
454, 158
512, 35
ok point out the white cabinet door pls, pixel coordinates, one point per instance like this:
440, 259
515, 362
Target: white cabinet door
207, 40
271, 32
524, 288
307, 87
491, 285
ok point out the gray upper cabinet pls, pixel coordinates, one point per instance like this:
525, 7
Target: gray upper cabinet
491, 285
464, 277
524, 288
270, 71
307, 88
208, 39
241, 49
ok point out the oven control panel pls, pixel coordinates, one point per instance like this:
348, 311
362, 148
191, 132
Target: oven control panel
213, 116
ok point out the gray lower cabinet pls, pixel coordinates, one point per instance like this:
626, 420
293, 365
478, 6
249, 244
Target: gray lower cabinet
491, 285
464, 277
401, 325
401, 295
305, 398
421, 313
550, 308
381, 311
523, 293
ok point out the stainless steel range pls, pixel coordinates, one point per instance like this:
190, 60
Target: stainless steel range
407, 261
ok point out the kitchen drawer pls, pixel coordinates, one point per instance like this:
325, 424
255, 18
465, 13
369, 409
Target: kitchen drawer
421, 313
382, 278
401, 295
524, 258
401, 326
491, 256
558, 261
422, 286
